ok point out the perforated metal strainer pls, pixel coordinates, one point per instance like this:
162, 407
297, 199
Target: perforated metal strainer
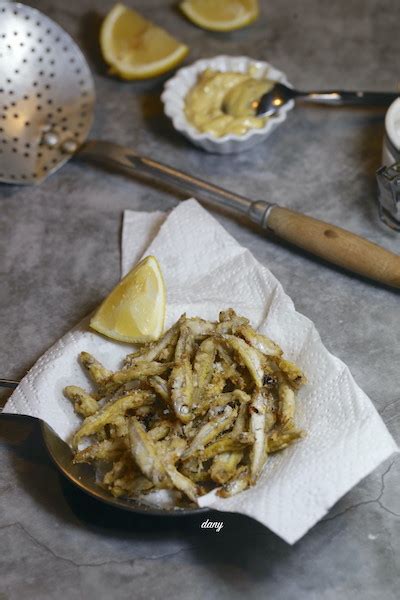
46, 95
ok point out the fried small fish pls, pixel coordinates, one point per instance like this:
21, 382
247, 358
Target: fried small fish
84, 404
201, 408
109, 412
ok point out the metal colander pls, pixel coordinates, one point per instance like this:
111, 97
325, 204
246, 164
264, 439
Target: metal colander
46, 95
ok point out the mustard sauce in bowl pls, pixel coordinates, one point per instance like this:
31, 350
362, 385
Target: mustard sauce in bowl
221, 103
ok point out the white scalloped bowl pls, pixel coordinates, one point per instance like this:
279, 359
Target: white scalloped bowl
177, 87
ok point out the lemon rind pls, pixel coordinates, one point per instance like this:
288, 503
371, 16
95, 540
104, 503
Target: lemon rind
221, 26
160, 308
125, 70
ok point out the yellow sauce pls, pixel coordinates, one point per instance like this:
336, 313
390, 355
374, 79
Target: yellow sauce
221, 102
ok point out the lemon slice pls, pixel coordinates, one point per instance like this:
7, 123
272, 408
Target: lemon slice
136, 48
220, 15
135, 309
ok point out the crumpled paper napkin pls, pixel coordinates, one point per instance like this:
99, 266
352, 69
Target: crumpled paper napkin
205, 271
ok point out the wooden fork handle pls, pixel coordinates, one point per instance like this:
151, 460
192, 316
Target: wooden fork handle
335, 245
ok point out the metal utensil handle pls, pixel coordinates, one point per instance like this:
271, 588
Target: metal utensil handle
331, 243
8, 383
130, 162
338, 97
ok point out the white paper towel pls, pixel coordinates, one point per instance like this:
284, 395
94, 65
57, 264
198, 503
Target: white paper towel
205, 271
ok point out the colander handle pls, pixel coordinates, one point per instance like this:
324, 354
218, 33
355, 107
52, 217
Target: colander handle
123, 159
335, 245
330, 243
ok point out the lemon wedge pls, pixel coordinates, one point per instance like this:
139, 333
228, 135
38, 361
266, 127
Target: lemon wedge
136, 48
220, 15
135, 309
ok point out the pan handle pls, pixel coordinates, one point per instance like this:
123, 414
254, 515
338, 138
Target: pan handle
8, 383
330, 243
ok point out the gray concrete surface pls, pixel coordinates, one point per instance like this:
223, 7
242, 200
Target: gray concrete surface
59, 247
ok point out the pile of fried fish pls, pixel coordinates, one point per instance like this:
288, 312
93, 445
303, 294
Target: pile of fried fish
200, 408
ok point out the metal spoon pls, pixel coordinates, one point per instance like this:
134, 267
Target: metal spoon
281, 94
47, 97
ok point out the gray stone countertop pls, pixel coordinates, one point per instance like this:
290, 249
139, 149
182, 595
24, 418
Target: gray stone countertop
59, 248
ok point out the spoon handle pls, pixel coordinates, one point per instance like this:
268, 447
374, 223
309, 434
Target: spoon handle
350, 98
326, 241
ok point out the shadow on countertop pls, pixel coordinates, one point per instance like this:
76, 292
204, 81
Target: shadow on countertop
242, 542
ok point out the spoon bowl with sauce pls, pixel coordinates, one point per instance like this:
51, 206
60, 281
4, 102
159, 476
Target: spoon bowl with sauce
277, 97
